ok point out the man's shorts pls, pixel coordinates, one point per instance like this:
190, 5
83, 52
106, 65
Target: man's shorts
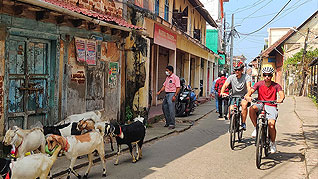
271, 111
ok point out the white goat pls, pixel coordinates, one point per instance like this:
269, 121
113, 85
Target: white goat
94, 115
33, 166
79, 145
25, 140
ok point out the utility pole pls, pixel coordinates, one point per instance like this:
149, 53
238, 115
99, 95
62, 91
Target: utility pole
224, 38
304, 66
231, 48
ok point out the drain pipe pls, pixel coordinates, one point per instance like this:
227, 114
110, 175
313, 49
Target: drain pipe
74, 14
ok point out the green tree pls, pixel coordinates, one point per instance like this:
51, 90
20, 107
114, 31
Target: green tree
301, 64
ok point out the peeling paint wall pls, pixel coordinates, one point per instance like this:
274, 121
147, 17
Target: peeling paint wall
110, 7
2, 56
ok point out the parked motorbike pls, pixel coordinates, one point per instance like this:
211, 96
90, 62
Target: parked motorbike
186, 100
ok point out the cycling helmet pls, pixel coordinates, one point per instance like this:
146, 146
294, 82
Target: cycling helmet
239, 65
268, 70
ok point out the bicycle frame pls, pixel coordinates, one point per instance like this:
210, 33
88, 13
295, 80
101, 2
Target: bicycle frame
263, 139
235, 121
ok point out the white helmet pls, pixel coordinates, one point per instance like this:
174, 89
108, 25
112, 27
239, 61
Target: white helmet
268, 70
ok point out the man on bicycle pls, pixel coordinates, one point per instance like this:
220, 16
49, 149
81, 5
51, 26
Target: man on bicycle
267, 91
241, 84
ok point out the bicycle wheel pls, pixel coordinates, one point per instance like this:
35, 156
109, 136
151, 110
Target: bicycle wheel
232, 131
266, 146
239, 130
259, 146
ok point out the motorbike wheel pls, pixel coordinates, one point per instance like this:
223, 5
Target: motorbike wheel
180, 108
191, 106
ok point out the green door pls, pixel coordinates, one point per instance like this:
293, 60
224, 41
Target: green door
28, 84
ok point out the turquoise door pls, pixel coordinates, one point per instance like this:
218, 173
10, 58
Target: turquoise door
28, 83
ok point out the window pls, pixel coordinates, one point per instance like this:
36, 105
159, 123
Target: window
166, 10
157, 7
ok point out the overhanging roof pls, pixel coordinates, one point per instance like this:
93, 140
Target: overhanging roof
204, 13
286, 36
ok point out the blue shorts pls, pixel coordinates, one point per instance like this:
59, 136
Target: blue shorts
271, 111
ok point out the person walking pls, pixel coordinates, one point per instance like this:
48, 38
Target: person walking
172, 87
222, 100
214, 94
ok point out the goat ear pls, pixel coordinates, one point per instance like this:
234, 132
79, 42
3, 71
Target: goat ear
60, 140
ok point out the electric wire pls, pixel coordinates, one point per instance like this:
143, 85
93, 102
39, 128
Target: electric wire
268, 21
255, 11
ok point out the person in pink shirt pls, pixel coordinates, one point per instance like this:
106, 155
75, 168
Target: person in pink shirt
172, 87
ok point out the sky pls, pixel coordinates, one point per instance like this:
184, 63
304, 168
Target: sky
250, 15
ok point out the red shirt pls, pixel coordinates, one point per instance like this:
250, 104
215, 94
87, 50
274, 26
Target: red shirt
218, 85
267, 93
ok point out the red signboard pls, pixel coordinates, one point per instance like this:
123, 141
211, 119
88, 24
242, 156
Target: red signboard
165, 38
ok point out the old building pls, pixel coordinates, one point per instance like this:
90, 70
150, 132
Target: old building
60, 57
175, 35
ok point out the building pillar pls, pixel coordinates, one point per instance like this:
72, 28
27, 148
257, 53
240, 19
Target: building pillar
173, 58
187, 69
205, 78
197, 74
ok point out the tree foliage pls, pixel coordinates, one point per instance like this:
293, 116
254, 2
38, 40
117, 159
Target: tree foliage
296, 59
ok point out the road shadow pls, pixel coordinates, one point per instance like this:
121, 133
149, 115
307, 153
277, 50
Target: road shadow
245, 142
278, 158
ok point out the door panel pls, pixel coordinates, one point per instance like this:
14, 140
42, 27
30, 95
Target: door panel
28, 81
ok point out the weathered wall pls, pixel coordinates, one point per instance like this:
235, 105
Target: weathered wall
109, 7
2, 56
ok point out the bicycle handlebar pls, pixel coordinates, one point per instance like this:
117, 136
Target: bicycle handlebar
261, 101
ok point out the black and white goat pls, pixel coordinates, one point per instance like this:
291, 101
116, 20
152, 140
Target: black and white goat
62, 130
131, 134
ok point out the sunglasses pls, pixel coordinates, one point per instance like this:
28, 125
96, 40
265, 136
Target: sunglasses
269, 75
237, 70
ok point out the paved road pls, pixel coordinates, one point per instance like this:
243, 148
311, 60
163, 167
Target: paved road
203, 151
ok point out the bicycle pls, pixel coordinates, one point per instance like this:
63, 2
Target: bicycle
262, 134
236, 121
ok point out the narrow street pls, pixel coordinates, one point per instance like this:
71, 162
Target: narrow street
203, 151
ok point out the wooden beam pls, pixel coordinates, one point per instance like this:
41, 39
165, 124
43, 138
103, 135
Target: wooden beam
60, 19
76, 22
91, 26
17, 9
40, 15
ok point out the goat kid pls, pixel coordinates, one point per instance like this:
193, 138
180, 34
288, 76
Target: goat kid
79, 145
89, 124
132, 134
25, 140
32, 166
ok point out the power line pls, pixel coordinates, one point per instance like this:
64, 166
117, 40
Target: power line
256, 11
265, 15
268, 21
246, 7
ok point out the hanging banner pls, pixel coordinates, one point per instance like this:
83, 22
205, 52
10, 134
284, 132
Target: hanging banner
80, 45
112, 74
91, 52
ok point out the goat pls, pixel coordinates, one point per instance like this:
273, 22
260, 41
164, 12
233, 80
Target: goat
62, 130
133, 133
89, 124
94, 115
25, 140
78, 145
32, 166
